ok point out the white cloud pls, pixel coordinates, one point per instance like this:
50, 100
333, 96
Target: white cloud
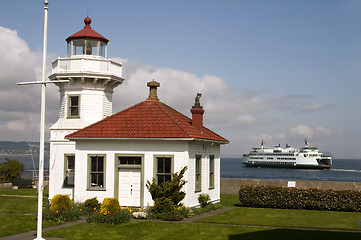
315, 106
301, 131
227, 111
295, 135
224, 107
20, 105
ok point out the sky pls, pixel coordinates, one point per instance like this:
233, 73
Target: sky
276, 70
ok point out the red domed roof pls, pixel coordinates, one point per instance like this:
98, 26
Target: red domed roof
87, 33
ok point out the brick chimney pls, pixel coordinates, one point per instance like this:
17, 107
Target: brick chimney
197, 113
153, 85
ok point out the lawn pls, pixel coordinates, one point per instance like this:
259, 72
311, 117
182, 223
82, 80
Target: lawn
14, 221
18, 214
18, 223
288, 218
22, 192
284, 217
173, 230
18, 205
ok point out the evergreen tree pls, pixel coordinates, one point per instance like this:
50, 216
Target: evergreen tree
167, 195
10, 169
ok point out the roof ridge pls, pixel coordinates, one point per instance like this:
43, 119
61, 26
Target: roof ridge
172, 118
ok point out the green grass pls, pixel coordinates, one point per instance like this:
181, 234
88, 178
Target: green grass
18, 205
161, 230
23, 192
230, 200
14, 217
287, 218
18, 223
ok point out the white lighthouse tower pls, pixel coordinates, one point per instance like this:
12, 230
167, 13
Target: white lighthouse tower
85, 99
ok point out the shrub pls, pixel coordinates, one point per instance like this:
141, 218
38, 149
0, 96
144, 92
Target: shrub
294, 198
91, 204
62, 216
203, 199
208, 208
122, 216
167, 195
10, 169
110, 205
60, 203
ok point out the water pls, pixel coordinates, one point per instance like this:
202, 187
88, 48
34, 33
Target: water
343, 170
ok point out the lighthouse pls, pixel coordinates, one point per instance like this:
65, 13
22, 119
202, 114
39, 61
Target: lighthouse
85, 99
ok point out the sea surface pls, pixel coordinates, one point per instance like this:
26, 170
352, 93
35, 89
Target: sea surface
343, 170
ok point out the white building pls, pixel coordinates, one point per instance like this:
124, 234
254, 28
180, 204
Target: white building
95, 154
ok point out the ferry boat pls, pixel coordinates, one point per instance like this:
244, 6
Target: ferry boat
287, 157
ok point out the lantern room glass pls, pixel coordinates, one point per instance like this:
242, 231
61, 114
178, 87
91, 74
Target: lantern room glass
87, 47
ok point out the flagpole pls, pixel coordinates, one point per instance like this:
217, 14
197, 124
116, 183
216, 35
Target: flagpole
42, 129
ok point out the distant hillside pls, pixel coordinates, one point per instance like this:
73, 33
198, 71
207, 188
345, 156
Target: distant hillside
8, 147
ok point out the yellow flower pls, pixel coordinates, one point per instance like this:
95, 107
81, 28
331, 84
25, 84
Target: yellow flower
77, 205
80, 209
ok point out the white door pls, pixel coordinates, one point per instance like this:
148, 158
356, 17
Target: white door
129, 186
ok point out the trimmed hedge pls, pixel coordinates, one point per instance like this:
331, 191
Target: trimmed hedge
296, 198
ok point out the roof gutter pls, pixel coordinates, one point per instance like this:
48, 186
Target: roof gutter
156, 139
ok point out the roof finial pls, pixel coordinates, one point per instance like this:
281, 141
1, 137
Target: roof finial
87, 21
197, 104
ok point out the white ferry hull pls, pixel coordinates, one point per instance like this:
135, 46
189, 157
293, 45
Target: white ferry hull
306, 157
284, 165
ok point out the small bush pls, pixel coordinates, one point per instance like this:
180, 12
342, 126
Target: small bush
295, 198
60, 203
10, 169
110, 205
203, 199
167, 195
69, 215
122, 216
208, 208
91, 204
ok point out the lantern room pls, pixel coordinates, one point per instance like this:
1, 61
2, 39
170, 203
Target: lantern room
87, 42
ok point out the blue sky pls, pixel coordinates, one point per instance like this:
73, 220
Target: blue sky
272, 69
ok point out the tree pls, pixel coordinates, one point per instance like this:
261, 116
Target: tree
10, 169
168, 194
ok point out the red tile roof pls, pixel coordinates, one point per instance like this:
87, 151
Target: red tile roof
147, 119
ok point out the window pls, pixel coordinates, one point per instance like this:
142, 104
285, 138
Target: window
198, 174
74, 104
69, 171
164, 169
211, 171
97, 172
129, 160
